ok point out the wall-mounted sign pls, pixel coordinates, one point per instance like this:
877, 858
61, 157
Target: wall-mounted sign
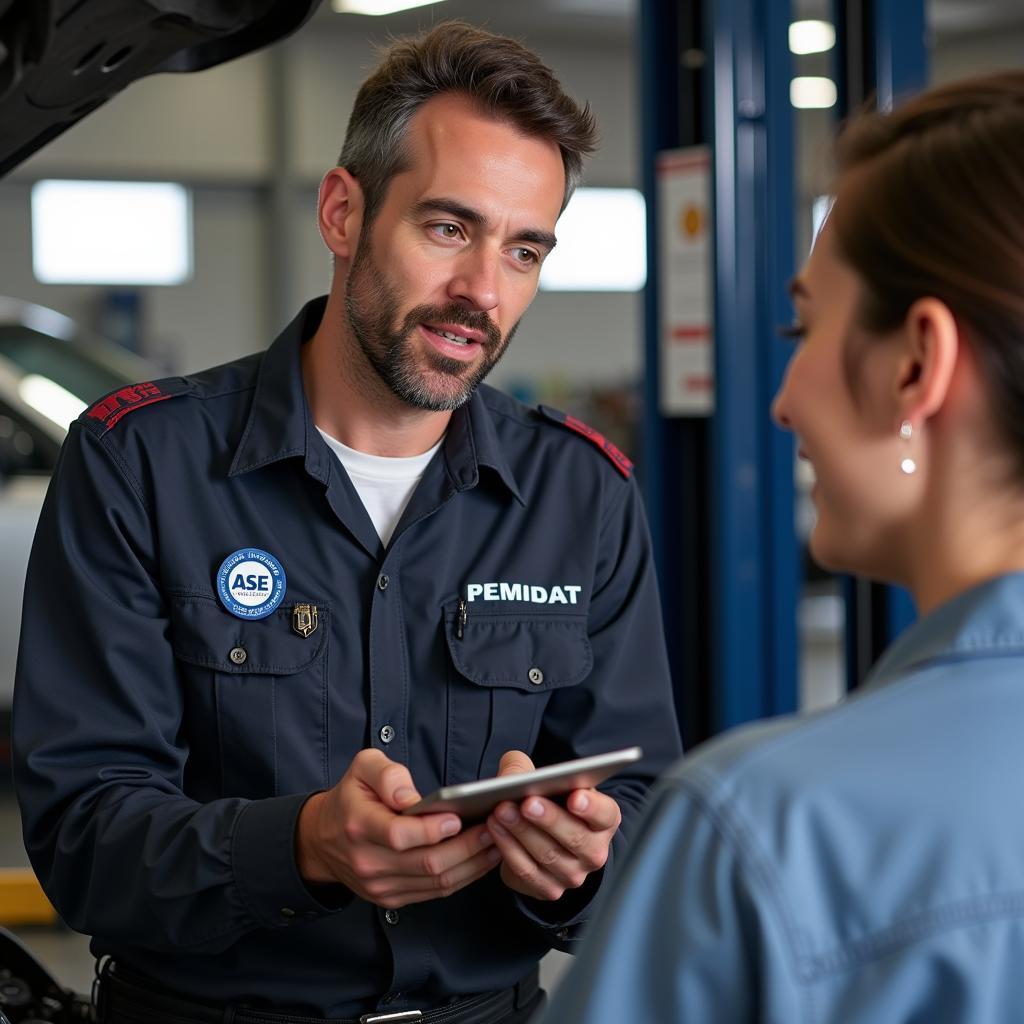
684, 278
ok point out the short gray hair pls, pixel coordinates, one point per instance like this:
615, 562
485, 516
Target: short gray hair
506, 79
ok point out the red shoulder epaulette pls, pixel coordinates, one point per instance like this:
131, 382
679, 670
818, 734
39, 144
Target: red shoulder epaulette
621, 462
111, 408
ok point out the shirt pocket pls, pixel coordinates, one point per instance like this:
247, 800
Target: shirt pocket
504, 668
263, 686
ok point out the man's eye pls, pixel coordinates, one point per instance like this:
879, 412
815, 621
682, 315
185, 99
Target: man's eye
526, 256
447, 230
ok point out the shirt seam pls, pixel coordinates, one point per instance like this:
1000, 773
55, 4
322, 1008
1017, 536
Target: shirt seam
250, 425
521, 418
561, 431
726, 820
884, 941
404, 652
962, 651
616, 501
237, 862
802, 727
203, 396
119, 461
276, 457
466, 669
614, 507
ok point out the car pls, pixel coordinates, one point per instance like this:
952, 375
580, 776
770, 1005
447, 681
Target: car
50, 371
60, 61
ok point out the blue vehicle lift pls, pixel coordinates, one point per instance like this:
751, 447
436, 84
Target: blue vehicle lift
719, 489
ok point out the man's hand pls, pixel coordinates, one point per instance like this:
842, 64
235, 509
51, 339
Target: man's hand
352, 834
547, 849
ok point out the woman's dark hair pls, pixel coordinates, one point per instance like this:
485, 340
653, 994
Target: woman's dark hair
507, 80
931, 204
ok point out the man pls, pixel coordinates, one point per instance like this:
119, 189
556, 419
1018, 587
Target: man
272, 604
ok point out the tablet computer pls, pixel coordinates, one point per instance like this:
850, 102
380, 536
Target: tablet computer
473, 801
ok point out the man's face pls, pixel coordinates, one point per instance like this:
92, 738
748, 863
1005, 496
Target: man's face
442, 276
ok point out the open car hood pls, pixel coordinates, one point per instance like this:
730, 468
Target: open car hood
61, 59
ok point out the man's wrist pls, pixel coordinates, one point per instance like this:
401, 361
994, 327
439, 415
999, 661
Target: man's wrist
311, 868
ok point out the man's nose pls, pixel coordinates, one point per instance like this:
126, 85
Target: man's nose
475, 281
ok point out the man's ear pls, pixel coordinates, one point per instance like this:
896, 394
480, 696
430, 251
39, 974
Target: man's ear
340, 212
927, 363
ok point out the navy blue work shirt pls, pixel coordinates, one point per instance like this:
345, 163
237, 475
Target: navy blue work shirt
164, 746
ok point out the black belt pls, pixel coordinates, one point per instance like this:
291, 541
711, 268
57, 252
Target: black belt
129, 998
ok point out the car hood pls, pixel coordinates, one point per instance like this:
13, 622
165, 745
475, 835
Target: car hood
61, 59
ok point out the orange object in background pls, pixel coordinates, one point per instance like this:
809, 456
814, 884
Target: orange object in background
22, 900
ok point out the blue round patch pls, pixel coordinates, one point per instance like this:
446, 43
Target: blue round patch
251, 583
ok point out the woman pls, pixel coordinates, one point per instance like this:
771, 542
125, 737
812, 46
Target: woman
867, 864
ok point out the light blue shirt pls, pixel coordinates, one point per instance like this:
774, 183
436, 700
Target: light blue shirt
864, 865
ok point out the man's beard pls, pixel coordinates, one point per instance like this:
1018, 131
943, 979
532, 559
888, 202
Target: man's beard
428, 381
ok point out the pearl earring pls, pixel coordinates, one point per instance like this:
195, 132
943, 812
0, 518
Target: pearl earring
907, 464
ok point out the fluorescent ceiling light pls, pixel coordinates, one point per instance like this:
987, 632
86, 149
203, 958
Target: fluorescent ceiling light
811, 36
56, 403
811, 93
602, 243
111, 232
377, 6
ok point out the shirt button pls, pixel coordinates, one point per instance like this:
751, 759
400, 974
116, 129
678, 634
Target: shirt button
535, 676
287, 912
383, 581
391, 916
238, 655
387, 734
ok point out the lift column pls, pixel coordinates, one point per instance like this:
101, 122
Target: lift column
720, 488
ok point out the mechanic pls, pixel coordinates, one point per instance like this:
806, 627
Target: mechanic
271, 604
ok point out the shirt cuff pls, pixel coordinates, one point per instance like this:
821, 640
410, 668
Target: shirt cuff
263, 859
563, 919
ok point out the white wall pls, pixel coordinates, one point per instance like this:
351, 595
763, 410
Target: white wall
220, 313
976, 53
212, 131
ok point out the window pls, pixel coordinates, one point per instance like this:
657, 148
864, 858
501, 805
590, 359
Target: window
111, 232
602, 243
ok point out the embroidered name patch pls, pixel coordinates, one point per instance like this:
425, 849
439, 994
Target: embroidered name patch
502, 591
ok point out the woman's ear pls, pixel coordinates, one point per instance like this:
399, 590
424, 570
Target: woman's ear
927, 363
340, 212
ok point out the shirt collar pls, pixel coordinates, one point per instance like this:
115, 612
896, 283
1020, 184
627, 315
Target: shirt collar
987, 619
472, 442
280, 424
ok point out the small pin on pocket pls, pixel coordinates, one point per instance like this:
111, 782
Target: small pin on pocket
305, 619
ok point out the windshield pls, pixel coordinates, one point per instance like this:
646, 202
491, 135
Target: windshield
67, 364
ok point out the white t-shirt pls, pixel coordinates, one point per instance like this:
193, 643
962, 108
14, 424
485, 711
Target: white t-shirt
384, 485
